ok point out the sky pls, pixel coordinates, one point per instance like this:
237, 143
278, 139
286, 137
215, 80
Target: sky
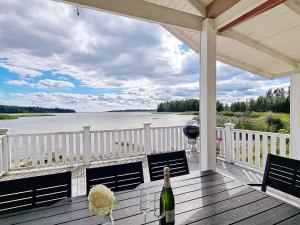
50, 57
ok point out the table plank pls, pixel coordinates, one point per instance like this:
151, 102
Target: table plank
295, 220
272, 216
193, 216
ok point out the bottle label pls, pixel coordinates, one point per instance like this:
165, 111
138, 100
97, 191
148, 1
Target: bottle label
170, 216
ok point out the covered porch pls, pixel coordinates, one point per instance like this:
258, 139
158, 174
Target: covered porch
258, 36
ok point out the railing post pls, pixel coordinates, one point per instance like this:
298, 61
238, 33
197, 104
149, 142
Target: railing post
229, 142
87, 145
147, 138
5, 150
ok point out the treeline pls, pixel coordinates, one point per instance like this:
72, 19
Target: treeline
179, 106
277, 100
23, 109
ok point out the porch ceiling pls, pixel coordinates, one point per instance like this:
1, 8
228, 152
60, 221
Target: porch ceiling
267, 44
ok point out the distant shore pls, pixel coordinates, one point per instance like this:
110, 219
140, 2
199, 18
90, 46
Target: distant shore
179, 113
20, 115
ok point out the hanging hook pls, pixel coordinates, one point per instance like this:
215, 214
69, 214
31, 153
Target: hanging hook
77, 10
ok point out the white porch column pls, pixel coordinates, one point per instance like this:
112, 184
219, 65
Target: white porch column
208, 96
295, 116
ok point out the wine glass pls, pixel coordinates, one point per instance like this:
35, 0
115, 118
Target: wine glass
145, 203
156, 204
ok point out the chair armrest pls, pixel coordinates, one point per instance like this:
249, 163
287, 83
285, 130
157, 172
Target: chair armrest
255, 185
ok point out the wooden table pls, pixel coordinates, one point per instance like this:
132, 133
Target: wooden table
206, 198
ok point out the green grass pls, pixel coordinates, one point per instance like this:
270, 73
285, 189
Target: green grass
20, 115
189, 113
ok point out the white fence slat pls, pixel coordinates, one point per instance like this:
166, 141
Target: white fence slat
153, 138
257, 150
265, 149
56, 148
63, 147
125, 142
168, 140
78, 141
237, 146
223, 143
181, 144
130, 141
114, 143
16, 151
101, 147
164, 142
49, 150
135, 143
141, 141
120, 150
250, 148
108, 144
40, 150
273, 144
33, 150
25, 150
71, 147
244, 142
282, 150
172, 147
159, 140
177, 139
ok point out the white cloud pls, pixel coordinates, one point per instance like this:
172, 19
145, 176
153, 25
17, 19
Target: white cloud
54, 83
101, 50
47, 83
17, 82
22, 71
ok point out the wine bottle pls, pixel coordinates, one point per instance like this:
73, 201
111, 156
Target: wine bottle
167, 202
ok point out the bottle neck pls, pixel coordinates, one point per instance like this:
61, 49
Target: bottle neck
167, 183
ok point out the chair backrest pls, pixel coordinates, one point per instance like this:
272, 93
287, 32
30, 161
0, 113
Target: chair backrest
116, 177
34, 192
283, 174
175, 160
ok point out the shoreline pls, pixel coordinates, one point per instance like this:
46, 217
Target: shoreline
14, 116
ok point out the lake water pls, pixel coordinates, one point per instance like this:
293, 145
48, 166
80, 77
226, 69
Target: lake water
98, 121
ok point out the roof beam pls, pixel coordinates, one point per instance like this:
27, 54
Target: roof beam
252, 13
216, 7
260, 47
236, 11
292, 5
143, 10
201, 9
242, 65
287, 73
183, 37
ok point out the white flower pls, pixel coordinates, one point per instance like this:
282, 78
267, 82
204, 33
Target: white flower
101, 200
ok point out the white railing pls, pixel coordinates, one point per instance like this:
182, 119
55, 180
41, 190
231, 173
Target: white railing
252, 147
107, 144
83, 147
45, 149
166, 139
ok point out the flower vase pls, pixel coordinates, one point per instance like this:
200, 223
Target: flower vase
108, 219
